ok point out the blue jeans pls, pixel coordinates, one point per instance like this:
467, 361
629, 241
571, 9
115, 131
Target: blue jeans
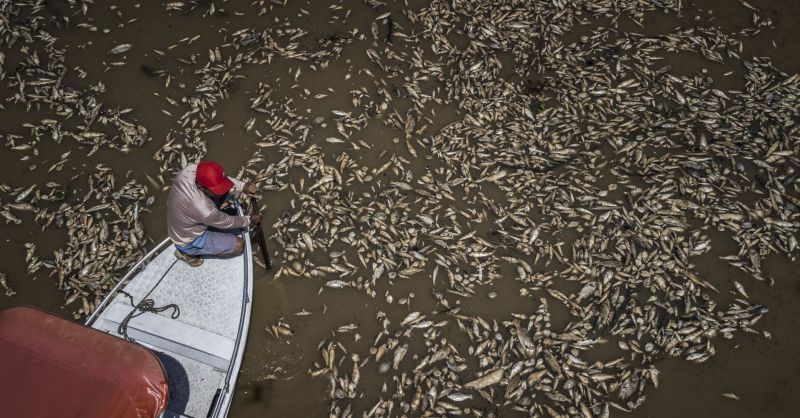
212, 242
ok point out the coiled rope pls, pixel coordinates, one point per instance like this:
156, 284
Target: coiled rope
146, 305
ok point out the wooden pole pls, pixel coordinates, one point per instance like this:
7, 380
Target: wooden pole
258, 232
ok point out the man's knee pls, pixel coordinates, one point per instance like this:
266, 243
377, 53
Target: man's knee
237, 249
239, 246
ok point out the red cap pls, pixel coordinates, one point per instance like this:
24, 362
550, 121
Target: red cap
212, 176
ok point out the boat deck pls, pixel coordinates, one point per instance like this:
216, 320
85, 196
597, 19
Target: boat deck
198, 347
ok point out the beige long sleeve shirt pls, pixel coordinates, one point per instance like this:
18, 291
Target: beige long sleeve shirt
190, 212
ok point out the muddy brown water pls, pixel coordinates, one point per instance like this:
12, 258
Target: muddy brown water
274, 382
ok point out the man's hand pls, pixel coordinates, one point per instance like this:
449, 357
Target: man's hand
249, 189
255, 219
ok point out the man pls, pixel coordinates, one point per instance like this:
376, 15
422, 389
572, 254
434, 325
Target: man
194, 222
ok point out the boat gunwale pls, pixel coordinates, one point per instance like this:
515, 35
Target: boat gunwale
224, 403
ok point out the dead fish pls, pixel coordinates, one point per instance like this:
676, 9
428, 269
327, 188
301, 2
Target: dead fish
489, 379
399, 353
119, 49
4, 285
459, 397
10, 217
412, 317
410, 123
336, 284
740, 289
25, 193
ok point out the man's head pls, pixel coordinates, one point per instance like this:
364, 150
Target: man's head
211, 179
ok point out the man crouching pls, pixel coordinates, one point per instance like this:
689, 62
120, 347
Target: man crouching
194, 222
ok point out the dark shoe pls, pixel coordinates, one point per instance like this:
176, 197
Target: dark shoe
194, 261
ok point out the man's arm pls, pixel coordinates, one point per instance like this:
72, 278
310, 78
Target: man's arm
221, 220
238, 185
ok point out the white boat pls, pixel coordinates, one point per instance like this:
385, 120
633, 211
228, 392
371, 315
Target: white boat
201, 348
